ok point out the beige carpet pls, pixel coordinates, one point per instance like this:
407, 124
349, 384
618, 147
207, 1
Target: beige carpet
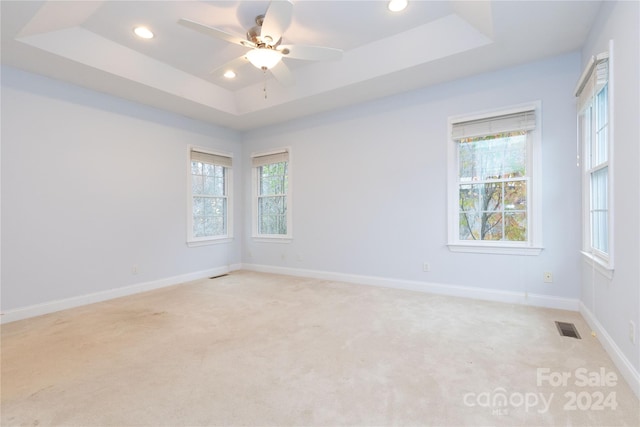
258, 349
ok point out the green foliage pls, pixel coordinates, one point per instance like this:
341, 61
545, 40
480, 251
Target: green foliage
493, 187
209, 204
272, 199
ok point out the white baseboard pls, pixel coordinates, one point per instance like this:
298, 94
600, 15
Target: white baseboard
622, 363
63, 304
427, 287
235, 267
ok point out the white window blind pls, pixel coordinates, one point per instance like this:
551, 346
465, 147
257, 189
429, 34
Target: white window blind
215, 159
520, 121
270, 159
594, 77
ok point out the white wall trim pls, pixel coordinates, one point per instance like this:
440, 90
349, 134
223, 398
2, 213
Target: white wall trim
630, 374
63, 304
235, 267
500, 250
496, 295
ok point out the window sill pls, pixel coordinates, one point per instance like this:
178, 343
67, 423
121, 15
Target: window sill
272, 239
495, 249
598, 264
197, 243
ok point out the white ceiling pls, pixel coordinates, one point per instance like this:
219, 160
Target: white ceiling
91, 43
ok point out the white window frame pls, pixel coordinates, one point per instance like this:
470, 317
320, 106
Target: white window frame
193, 241
277, 238
533, 246
587, 91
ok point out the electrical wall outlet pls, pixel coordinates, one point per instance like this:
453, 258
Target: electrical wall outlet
426, 267
134, 269
548, 277
632, 331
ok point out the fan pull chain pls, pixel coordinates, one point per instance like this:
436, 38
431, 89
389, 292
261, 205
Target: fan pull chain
264, 75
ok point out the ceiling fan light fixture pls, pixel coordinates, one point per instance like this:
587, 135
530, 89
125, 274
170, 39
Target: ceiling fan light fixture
264, 58
397, 5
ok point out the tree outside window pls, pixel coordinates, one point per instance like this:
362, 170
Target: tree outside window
493, 187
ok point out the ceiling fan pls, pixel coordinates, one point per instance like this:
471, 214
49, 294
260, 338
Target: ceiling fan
265, 42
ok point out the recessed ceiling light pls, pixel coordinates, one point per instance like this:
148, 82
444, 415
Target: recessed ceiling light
229, 74
397, 5
143, 32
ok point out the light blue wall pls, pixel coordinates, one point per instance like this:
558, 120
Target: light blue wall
615, 302
369, 185
92, 185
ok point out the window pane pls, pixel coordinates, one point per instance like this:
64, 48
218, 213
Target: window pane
214, 186
515, 195
515, 227
209, 206
272, 204
272, 185
198, 227
469, 198
584, 121
599, 210
209, 201
599, 180
209, 216
493, 157
599, 231
273, 224
196, 168
497, 208
208, 226
491, 226
484, 226
469, 226
273, 179
209, 185
198, 206
481, 197
197, 184
218, 226
601, 126
208, 169
274, 169
491, 196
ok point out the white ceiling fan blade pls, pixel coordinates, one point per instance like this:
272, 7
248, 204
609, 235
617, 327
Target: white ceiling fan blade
214, 32
276, 20
233, 65
310, 53
282, 73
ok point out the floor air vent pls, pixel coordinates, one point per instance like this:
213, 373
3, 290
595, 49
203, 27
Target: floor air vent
221, 275
567, 330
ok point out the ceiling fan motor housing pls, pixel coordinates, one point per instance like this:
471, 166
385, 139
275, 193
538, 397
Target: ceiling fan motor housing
254, 35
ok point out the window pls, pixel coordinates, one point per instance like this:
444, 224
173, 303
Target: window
494, 183
209, 204
272, 200
594, 138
